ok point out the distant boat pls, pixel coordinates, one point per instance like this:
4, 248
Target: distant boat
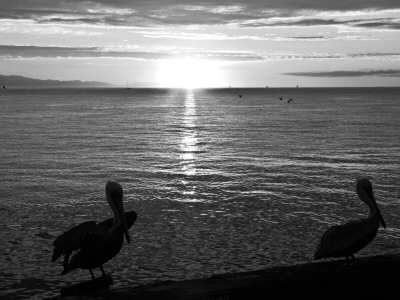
4, 87
280, 98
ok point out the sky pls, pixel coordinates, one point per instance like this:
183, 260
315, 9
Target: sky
191, 44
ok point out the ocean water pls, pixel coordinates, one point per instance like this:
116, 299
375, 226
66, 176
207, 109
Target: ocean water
220, 183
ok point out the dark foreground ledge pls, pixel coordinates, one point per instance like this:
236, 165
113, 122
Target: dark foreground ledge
369, 277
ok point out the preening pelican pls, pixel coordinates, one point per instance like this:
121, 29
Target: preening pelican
347, 239
97, 243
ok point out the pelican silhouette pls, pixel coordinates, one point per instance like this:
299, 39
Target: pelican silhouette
347, 239
97, 243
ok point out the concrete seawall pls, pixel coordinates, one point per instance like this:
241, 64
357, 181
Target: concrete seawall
367, 278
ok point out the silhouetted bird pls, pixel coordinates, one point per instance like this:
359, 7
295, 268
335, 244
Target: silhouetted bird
347, 239
97, 243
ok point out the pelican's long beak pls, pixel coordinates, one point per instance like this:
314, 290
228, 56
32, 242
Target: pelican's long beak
378, 212
121, 212
381, 217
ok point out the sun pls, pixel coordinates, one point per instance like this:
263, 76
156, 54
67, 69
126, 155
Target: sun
189, 73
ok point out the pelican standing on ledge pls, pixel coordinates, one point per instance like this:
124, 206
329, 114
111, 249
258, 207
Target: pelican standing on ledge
349, 238
97, 243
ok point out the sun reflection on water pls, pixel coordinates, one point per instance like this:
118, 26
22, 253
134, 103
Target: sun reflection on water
189, 147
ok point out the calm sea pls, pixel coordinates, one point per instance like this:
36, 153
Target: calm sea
220, 183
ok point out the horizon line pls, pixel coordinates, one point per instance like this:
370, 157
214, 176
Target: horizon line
196, 88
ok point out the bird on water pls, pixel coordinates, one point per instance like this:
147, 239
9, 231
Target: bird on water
96, 243
347, 239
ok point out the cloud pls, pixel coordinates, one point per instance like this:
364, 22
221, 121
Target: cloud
28, 27
189, 35
141, 13
359, 73
288, 22
379, 23
31, 52
138, 53
393, 55
307, 38
319, 56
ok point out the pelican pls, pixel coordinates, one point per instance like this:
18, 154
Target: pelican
347, 239
97, 243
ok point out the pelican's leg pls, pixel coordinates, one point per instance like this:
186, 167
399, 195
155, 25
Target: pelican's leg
91, 273
102, 271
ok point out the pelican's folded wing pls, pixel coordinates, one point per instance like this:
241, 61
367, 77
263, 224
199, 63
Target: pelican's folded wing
72, 239
340, 240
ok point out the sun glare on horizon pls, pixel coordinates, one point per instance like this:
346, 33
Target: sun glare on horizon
190, 73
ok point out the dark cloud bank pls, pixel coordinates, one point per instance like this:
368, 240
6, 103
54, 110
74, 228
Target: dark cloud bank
380, 73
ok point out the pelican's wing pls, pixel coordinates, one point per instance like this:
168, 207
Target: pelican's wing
131, 217
338, 239
72, 239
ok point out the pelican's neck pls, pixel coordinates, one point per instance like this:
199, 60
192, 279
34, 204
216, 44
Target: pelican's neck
372, 212
114, 196
116, 216
366, 198
117, 220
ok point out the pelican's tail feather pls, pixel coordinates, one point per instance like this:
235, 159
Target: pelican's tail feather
57, 252
72, 239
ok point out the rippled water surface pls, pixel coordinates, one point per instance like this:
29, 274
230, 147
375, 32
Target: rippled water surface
220, 183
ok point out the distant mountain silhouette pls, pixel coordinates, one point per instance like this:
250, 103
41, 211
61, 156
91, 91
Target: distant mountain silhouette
14, 81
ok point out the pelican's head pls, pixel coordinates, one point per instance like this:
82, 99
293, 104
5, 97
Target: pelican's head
365, 185
115, 195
